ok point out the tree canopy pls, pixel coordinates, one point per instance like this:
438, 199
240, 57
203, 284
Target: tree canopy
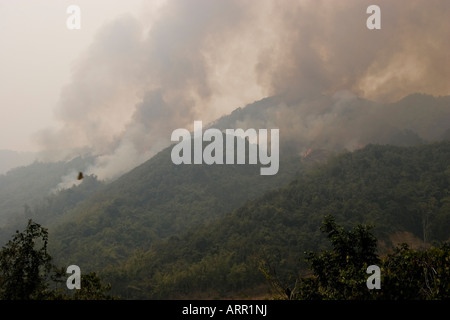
27, 272
25, 264
340, 273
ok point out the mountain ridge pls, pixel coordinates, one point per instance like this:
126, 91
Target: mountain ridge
100, 226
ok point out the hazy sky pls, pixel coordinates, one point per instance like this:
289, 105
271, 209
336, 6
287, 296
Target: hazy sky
36, 56
138, 70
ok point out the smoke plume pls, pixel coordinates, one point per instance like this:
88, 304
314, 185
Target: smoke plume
197, 59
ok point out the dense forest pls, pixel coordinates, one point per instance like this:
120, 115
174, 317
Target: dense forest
278, 245
155, 201
398, 190
27, 271
26, 187
193, 231
401, 191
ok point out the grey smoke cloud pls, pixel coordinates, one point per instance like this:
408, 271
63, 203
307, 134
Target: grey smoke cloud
324, 46
198, 59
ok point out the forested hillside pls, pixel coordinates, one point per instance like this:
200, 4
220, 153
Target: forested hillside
396, 189
156, 200
26, 187
165, 231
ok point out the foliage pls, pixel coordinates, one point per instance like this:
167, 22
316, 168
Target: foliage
391, 188
51, 209
155, 201
28, 185
166, 231
26, 271
24, 268
413, 274
340, 273
92, 288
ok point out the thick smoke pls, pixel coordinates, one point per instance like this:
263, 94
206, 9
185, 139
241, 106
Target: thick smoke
198, 59
324, 46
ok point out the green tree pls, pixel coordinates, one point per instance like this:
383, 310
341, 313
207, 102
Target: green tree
26, 271
25, 264
412, 274
92, 288
340, 273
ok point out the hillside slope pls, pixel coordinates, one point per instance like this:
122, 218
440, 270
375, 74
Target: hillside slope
396, 189
156, 200
29, 185
97, 225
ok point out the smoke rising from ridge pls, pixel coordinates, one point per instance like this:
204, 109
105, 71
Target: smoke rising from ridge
196, 60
